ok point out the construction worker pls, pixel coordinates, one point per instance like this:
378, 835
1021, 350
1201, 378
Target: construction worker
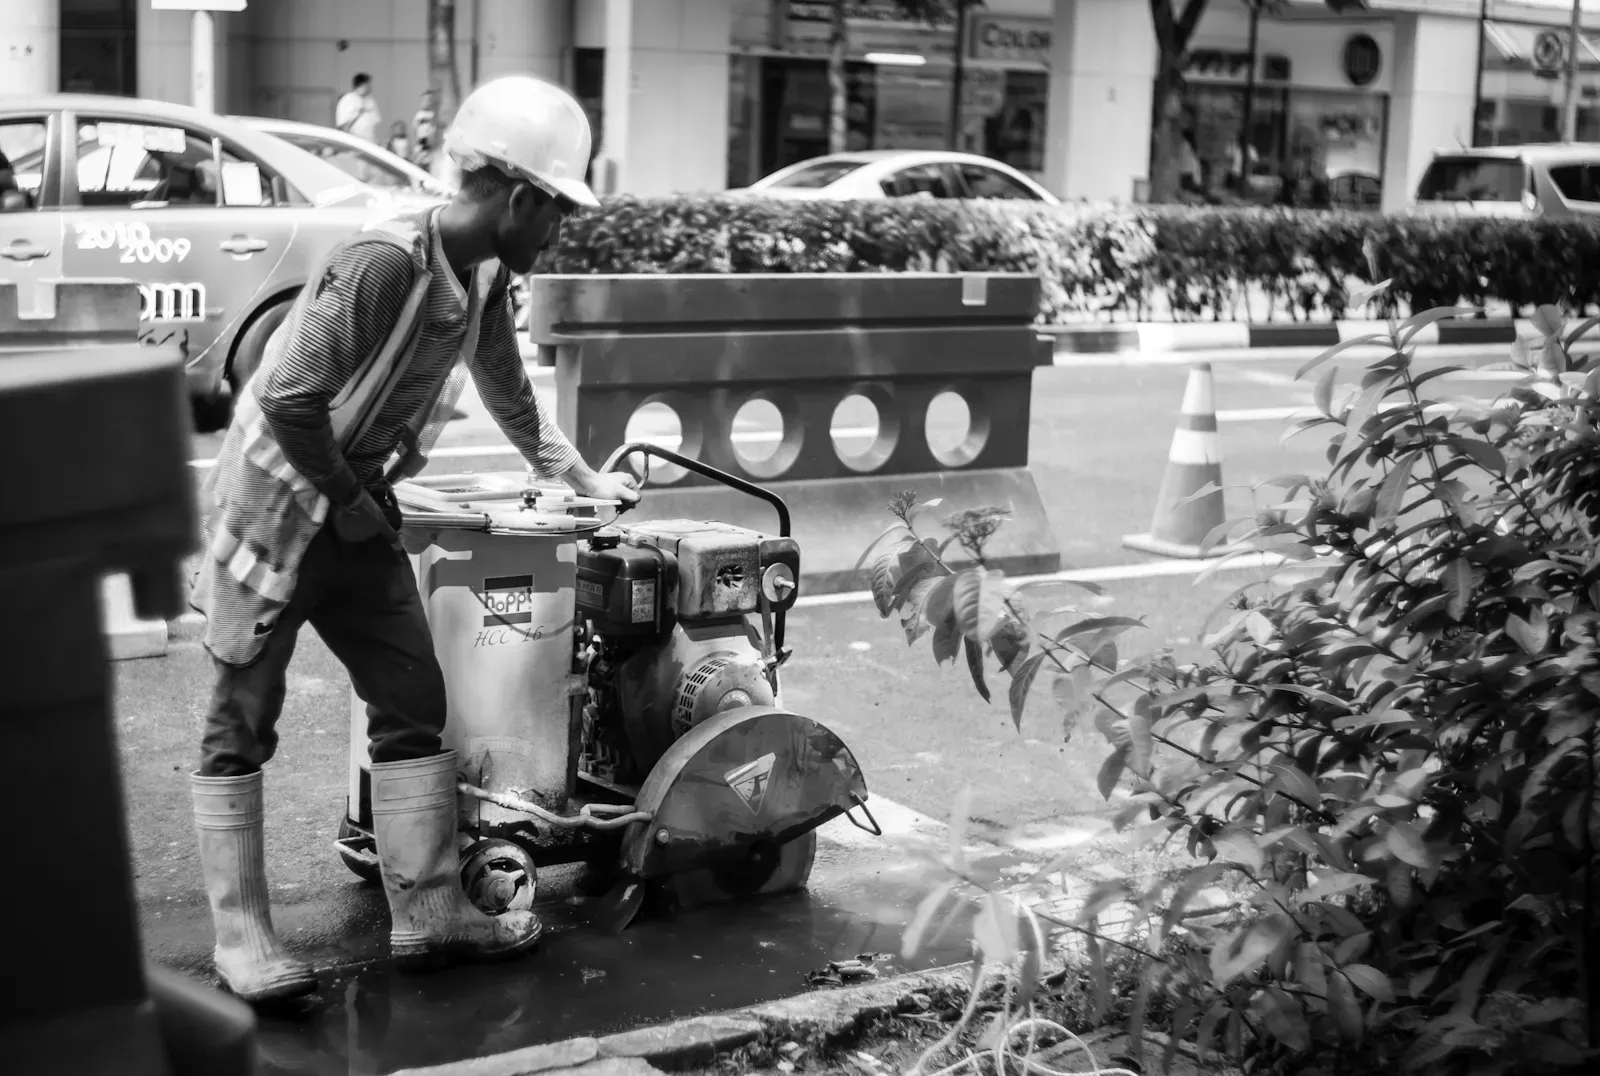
302, 526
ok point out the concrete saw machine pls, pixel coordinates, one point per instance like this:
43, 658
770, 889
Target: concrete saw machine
614, 696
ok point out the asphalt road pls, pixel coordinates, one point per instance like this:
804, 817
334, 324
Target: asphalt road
1100, 433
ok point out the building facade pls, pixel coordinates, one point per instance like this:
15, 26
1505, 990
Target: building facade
701, 95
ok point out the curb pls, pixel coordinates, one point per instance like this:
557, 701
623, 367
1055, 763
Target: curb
1240, 335
814, 1018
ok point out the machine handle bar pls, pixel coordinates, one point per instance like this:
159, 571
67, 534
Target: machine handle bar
707, 471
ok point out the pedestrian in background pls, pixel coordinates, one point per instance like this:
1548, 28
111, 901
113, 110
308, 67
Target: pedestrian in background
399, 140
425, 130
357, 112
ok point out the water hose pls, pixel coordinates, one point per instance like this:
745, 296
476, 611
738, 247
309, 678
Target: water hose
592, 815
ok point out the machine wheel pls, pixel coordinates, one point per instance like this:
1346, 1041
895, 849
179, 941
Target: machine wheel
252, 346
499, 876
770, 868
358, 853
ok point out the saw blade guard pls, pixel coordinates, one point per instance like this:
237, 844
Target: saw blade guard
754, 775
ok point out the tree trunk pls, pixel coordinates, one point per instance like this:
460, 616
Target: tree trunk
838, 86
442, 73
1166, 146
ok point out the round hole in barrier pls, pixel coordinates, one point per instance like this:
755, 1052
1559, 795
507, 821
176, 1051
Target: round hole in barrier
865, 428
956, 430
766, 434
657, 421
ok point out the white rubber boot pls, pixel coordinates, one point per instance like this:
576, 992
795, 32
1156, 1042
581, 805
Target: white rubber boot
249, 957
414, 825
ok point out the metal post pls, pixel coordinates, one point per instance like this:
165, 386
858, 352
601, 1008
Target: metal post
202, 62
1569, 121
1477, 86
957, 73
1249, 100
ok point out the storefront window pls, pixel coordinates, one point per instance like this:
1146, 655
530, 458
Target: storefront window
97, 46
1003, 115
780, 103
1306, 148
1522, 85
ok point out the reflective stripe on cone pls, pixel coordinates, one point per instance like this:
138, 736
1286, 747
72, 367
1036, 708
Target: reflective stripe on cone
1181, 525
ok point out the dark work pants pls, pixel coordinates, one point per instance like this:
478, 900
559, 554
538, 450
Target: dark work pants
362, 600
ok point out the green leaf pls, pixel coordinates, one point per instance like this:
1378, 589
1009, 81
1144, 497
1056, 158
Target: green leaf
1342, 346
995, 931
1248, 948
1207, 1032
1404, 839
1115, 624
883, 583
1240, 848
1098, 976
1370, 981
1192, 884
946, 640
911, 941
1332, 884
1322, 393
1417, 322
1533, 634
1482, 453
1141, 744
1342, 1006
1111, 771
1294, 781
1021, 684
975, 666
1283, 1019
937, 606
965, 594
1392, 494
1458, 579
887, 531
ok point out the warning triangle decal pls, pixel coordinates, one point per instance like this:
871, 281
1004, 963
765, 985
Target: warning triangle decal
749, 782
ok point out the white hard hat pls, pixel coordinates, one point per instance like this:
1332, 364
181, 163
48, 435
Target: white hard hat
527, 128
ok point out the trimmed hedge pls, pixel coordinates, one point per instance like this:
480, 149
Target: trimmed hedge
1102, 264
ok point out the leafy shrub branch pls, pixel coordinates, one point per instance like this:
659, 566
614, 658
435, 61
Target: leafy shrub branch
1387, 757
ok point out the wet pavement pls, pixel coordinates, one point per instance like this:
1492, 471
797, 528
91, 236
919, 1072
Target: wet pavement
584, 981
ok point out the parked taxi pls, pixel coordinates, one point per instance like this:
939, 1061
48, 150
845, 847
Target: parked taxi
220, 224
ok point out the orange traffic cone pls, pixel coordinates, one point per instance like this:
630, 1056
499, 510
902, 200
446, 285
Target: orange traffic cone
1195, 459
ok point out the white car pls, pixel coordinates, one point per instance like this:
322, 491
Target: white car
355, 156
877, 174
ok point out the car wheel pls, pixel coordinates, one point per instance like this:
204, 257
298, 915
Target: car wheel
252, 346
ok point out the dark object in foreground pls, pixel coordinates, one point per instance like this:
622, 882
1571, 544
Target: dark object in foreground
118, 501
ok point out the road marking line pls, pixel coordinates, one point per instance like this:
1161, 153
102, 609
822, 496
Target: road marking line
1109, 574
1265, 414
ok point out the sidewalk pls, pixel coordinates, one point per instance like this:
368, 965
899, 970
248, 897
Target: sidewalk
1229, 335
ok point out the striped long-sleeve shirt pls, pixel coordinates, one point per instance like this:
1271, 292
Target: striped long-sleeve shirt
280, 466
352, 310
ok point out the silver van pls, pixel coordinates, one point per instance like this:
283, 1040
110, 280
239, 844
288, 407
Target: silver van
1553, 179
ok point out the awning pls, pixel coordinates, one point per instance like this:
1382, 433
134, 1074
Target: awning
1515, 42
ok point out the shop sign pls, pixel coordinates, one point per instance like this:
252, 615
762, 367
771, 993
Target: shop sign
1363, 60
998, 37
1233, 65
871, 26
1549, 54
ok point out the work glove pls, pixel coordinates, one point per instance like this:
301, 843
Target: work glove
362, 520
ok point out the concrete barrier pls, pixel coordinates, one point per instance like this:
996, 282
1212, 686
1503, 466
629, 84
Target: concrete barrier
707, 346
96, 321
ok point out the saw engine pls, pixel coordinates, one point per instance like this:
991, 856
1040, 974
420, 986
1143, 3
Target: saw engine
614, 697
681, 623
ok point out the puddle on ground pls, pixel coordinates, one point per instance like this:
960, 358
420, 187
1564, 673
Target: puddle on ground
583, 981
